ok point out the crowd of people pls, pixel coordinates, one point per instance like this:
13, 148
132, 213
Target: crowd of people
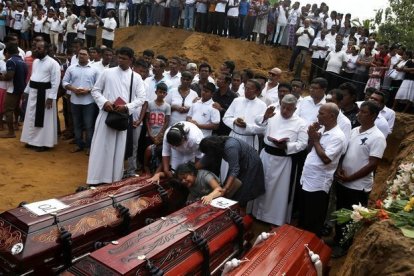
234, 133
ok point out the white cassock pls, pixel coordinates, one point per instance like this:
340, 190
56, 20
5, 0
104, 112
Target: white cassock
246, 109
106, 160
46, 70
275, 206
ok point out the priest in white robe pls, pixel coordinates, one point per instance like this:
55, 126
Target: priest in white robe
40, 121
286, 135
106, 160
241, 114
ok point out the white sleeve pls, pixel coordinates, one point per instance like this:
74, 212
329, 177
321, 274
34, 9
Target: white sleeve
97, 90
140, 97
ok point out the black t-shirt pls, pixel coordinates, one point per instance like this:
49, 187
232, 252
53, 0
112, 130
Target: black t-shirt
18, 66
409, 64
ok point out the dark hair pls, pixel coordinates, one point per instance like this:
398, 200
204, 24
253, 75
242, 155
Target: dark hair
230, 64
249, 73
204, 65
256, 84
260, 76
370, 90
141, 63
227, 77
162, 86
186, 74
84, 48
163, 58
350, 88
9, 38
322, 82
339, 95
213, 145
236, 74
125, 51
186, 168
285, 85
148, 52
98, 50
11, 49
373, 107
382, 94
176, 134
107, 50
209, 86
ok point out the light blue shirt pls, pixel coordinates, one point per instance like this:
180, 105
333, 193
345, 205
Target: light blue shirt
81, 76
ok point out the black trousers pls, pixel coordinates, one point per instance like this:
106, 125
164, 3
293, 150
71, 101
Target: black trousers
313, 211
345, 198
316, 68
107, 43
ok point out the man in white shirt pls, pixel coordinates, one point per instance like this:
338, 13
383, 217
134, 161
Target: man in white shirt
335, 61
320, 48
203, 114
79, 80
310, 105
108, 29
328, 144
173, 76
304, 35
387, 113
355, 173
241, 114
269, 92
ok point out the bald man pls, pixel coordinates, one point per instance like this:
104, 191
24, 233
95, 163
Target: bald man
269, 92
328, 144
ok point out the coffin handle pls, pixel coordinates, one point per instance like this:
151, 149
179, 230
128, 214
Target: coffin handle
65, 239
124, 213
154, 270
238, 221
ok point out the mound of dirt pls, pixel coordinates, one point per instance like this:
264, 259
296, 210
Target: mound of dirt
199, 47
380, 250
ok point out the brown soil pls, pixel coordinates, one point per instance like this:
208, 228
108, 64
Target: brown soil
30, 176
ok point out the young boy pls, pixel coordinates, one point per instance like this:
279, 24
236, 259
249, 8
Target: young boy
202, 113
25, 32
157, 120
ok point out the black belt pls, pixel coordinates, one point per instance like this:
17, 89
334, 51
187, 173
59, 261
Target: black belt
40, 100
274, 151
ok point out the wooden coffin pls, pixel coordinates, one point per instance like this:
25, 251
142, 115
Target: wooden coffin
49, 243
168, 246
285, 254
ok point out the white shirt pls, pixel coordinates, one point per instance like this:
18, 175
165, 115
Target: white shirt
173, 81
282, 18
345, 125
152, 86
174, 98
246, 109
189, 150
318, 42
335, 61
221, 7
316, 175
46, 70
304, 40
361, 146
204, 113
309, 110
293, 16
382, 124
389, 115
111, 24
270, 96
38, 24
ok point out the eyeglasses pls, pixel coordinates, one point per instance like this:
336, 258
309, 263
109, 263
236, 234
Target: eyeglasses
273, 74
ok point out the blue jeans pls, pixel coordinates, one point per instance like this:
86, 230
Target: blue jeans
84, 117
188, 17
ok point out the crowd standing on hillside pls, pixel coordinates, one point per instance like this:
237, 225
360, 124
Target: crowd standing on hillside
231, 132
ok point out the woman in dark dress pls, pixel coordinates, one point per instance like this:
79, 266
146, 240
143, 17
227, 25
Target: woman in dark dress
244, 164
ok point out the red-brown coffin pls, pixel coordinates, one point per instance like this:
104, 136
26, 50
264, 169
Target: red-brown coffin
168, 244
94, 215
285, 254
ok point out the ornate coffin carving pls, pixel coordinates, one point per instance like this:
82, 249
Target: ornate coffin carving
194, 240
285, 253
48, 243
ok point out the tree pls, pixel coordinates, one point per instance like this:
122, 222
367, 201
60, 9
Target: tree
398, 25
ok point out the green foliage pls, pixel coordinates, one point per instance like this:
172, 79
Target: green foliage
398, 25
